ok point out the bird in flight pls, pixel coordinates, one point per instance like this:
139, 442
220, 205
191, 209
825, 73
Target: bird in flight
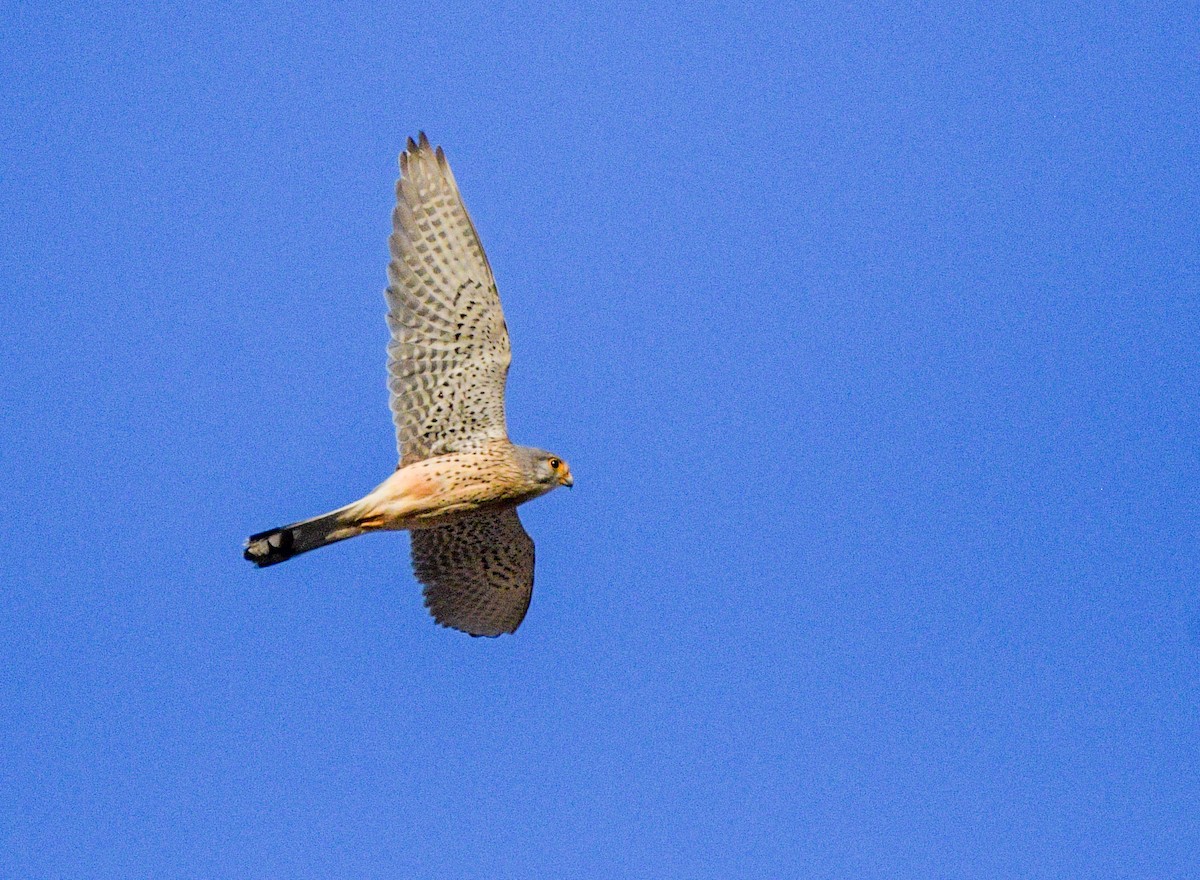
460, 479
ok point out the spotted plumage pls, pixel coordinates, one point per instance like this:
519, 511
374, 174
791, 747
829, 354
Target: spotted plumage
460, 479
478, 571
449, 354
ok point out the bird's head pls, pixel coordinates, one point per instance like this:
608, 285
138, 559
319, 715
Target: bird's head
547, 469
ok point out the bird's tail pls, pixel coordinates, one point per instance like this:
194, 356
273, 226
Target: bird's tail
278, 545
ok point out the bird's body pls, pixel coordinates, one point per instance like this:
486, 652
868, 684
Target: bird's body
460, 478
433, 491
426, 494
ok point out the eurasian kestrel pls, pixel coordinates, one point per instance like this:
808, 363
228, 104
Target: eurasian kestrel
460, 479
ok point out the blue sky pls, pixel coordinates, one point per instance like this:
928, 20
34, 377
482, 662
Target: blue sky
872, 336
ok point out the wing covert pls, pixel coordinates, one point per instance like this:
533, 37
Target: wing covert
449, 353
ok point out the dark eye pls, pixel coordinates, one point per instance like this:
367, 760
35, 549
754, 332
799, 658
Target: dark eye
555, 463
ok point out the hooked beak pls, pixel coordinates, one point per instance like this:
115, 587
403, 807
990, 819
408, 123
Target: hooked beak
568, 480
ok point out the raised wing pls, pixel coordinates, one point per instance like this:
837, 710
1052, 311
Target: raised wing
449, 353
477, 571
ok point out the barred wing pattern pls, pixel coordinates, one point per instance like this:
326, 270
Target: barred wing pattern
449, 354
477, 571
